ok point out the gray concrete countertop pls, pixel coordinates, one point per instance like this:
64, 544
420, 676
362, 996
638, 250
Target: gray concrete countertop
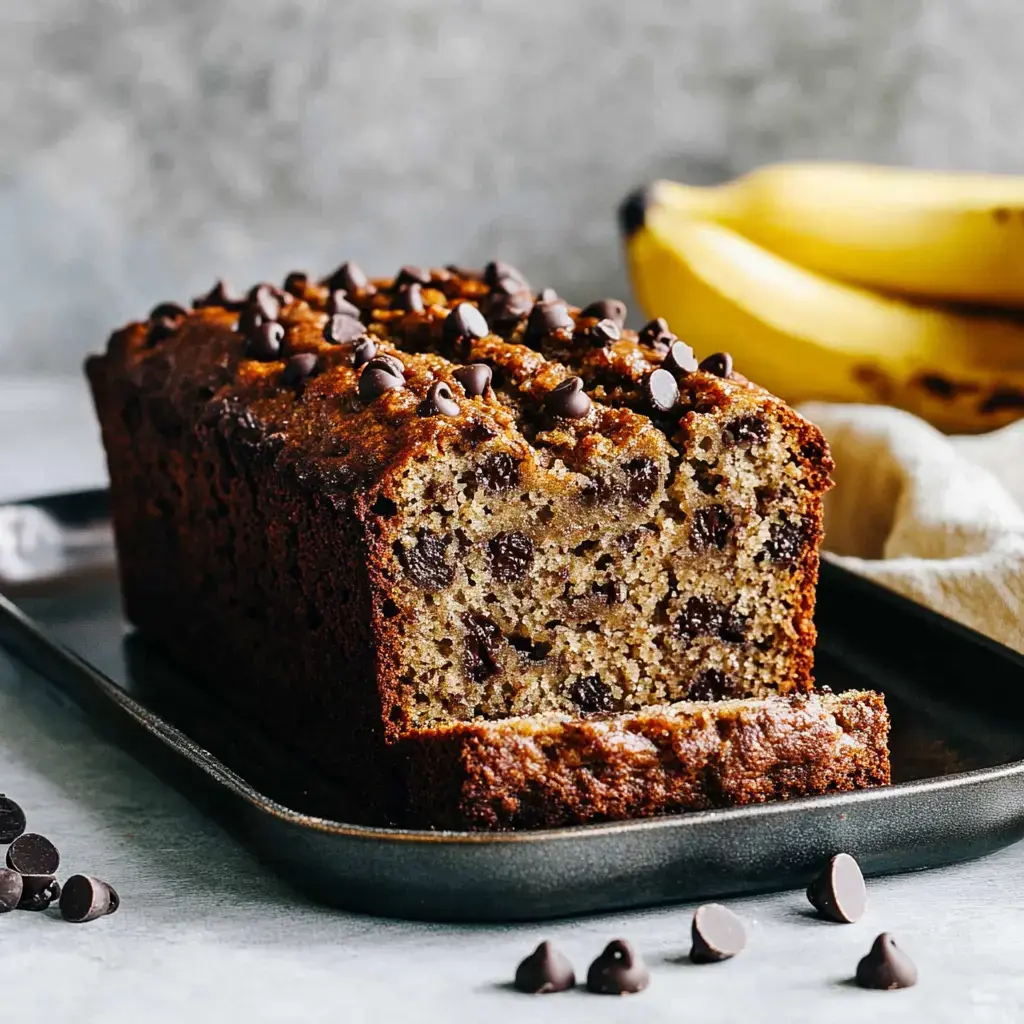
207, 934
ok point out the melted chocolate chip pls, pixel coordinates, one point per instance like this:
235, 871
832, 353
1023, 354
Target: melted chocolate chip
463, 324
338, 303
218, 296
498, 472
474, 378
568, 399
661, 390
618, 971
604, 333
439, 401
545, 970
680, 359
710, 527
712, 684
411, 275
426, 563
545, 319
481, 647
786, 542
745, 431
264, 343
363, 350
655, 334
704, 617
409, 299
642, 478
719, 363
350, 277
591, 695
298, 368
377, 378
342, 328
510, 555
607, 309
886, 966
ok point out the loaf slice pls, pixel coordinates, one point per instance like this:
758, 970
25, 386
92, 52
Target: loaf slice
544, 513
552, 770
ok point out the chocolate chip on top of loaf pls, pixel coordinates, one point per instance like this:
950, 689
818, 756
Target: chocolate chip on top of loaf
379, 505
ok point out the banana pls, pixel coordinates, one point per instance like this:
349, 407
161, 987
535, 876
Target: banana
924, 234
805, 336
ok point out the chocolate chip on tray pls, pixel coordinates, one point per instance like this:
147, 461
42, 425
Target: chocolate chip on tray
11, 887
38, 892
607, 309
661, 390
12, 820
718, 363
474, 378
717, 934
838, 893
568, 399
619, 970
545, 970
439, 401
33, 854
886, 966
85, 898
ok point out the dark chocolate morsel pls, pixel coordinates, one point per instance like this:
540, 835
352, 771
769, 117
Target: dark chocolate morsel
655, 334
267, 300
604, 333
591, 695
409, 298
886, 966
12, 820
349, 277
376, 380
427, 563
363, 351
337, 302
342, 328
507, 309
411, 275
11, 886
218, 296
390, 363
164, 320
618, 971
546, 969
568, 399
661, 390
838, 893
718, 363
680, 359
296, 281
33, 854
464, 322
717, 934
474, 378
503, 277
38, 892
85, 898
298, 368
265, 341
439, 401
167, 310
547, 295
510, 556
607, 309
546, 318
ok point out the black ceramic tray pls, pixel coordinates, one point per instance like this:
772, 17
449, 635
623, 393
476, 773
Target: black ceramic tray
957, 701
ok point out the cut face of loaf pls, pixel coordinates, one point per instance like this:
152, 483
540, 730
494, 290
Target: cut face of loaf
349, 550
552, 770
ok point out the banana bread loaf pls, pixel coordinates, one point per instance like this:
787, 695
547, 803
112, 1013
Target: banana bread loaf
360, 508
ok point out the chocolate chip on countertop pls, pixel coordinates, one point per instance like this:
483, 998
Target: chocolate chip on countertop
342, 328
363, 351
619, 970
464, 323
38, 892
411, 275
33, 854
409, 299
604, 333
661, 390
349, 277
886, 966
85, 898
12, 820
11, 886
264, 343
680, 359
474, 378
607, 309
546, 318
298, 368
439, 401
717, 934
655, 334
546, 969
337, 302
218, 296
164, 320
379, 376
718, 363
503, 277
838, 893
568, 399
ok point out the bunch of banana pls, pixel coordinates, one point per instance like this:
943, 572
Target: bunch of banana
847, 283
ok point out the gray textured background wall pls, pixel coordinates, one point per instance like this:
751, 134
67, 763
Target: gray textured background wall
147, 146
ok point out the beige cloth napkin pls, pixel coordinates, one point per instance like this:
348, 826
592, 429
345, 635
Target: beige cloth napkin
938, 519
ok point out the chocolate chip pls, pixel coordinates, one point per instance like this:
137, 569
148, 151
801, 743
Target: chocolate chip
546, 969
349, 277
267, 300
510, 555
705, 617
409, 299
719, 363
85, 898
164, 320
712, 684
218, 296
341, 329
298, 368
717, 933
679, 359
1002, 399
338, 303
463, 324
391, 363
11, 886
604, 333
591, 695
33, 854
546, 318
618, 971
568, 399
547, 295
838, 893
661, 390
710, 527
786, 542
474, 378
296, 282
481, 646
502, 276
498, 472
642, 478
607, 309
439, 401
426, 562
655, 334
12, 820
38, 898
504, 309
411, 275
264, 343
886, 967
744, 431
378, 377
